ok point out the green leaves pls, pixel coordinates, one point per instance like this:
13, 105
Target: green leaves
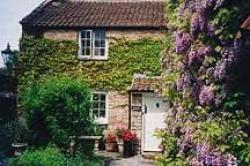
56, 109
41, 57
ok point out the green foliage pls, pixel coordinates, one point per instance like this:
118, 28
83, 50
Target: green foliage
42, 57
57, 108
41, 157
52, 156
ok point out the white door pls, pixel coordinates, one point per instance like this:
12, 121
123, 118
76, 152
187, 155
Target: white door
154, 118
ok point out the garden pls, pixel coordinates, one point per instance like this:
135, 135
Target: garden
55, 127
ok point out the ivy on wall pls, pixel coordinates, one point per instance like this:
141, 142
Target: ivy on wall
43, 57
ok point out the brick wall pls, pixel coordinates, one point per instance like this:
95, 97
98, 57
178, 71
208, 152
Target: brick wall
61, 35
117, 109
127, 34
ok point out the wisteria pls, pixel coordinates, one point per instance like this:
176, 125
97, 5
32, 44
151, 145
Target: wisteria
207, 157
198, 55
205, 69
206, 95
182, 41
184, 81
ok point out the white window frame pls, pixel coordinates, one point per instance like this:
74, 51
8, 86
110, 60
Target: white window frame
101, 120
92, 49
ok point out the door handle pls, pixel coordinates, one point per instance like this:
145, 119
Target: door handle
145, 109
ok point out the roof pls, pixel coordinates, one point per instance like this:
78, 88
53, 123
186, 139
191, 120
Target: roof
246, 24
104, 14
142, 83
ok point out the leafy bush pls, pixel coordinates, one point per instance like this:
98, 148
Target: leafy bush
56, 109
51, 156
41, 157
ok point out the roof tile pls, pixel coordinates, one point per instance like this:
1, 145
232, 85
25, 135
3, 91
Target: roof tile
98, 14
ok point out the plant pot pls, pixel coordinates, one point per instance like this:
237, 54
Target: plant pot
128, 149
120, 144
111, 147
121, 147
19, 148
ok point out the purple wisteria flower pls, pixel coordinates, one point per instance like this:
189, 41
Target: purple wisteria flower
220, 70
194, 29
206, 157
210, 30
206, 95
183, 82
182, 42
199, 55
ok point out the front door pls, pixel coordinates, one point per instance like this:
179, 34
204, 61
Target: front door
154, 116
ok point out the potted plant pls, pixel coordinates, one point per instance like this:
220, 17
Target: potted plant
129, 137
120, 142
18, 133
110, 141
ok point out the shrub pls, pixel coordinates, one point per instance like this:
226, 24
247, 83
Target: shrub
41, 157
51, 156
56, 109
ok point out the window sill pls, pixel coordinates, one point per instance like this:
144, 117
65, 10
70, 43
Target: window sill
101, 121
83, 58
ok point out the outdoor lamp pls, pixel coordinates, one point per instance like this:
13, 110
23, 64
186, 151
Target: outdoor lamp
8, 56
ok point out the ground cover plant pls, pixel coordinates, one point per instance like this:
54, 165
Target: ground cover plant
206, 84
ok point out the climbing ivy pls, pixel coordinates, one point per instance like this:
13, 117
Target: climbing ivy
40, 58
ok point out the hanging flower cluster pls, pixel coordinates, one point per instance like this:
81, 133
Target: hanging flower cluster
202, 77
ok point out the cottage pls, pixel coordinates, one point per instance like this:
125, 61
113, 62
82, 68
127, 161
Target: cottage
95, 25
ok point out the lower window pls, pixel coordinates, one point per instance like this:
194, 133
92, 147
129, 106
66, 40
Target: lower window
99, 107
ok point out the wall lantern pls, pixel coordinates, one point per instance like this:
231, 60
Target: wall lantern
8, 57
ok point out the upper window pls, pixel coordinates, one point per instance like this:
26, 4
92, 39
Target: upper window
93, 44
99, 107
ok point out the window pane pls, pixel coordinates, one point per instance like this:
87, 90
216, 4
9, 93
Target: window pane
87, 52
85, 34
99, 105
102, 113
102, 52
86, 43
95, 97
102, 106
103, 97
99, 43
95, 113
95, 105
97, 51
102, 43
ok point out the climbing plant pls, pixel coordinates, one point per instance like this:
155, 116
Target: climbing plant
43, 57
207, 123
